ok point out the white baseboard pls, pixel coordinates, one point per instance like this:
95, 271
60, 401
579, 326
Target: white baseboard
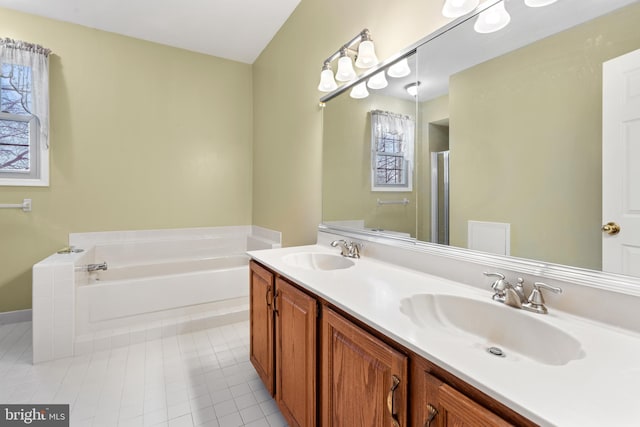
15, 316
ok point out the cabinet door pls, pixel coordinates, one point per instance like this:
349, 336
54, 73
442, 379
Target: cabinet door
261, 291
459, 410
425, 397
363, 379
295, 354
443, 406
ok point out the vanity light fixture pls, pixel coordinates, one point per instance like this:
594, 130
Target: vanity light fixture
399, 69
377, 81
327, 82
539, 3
412, 89
365, 58
359, 91
457, 8
345, 72
366, 54
496, 17
492, 19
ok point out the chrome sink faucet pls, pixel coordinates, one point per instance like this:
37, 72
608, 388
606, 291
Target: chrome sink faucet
514, 296
348, 249
535, 302
505, 292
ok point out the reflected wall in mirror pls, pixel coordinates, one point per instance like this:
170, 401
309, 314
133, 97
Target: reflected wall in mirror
520, 112
347, 195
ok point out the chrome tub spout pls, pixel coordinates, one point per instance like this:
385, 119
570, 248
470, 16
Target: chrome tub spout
96, 267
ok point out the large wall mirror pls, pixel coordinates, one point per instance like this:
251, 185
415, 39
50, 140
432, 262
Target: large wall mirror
509, 139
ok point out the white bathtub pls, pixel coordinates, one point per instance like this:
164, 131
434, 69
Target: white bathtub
136, 290
158, 283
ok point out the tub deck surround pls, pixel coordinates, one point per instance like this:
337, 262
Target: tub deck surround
154, 246
158, 283
599, 388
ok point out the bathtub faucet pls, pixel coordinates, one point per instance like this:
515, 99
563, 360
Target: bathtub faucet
96, 267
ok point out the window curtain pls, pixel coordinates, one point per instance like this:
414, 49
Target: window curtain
384, 122
15, 55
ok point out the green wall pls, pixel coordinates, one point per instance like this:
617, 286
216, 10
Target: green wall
346, 160
146, 136
143, 136
526, 141
432, 111
287, 174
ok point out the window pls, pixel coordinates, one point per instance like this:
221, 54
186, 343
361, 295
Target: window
392, 137
24, 154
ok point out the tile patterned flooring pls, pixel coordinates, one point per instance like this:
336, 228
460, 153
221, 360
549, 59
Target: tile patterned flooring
201, 378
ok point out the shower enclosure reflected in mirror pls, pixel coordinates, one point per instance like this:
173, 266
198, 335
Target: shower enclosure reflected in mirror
440, 196
522, 110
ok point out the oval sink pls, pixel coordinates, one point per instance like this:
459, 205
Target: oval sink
317, 261
491, 324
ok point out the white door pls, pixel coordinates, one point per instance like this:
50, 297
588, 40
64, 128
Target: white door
621, 164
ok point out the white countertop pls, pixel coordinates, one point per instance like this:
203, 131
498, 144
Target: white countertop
600, 389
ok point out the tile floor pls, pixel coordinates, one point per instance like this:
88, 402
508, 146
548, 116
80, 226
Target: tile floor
201, 378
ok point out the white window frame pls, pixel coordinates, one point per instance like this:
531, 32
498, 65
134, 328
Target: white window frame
39, 155
407, 166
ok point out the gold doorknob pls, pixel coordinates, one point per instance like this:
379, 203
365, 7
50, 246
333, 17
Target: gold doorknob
611, 228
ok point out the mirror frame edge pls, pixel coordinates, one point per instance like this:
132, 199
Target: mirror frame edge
610, 282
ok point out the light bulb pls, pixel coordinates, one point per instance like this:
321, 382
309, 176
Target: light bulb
399, 69
327, 82
366, 55
378, 81
457, 8
539, 3
345, 72
359, 91
412, 89
493, 19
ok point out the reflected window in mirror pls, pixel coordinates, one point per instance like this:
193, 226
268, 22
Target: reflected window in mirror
392, 148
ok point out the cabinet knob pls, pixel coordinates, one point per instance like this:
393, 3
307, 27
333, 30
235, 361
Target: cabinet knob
266, 296
391, 398
432, 415
275, 303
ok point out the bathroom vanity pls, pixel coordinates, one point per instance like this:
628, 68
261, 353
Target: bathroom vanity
367, 342
359, 367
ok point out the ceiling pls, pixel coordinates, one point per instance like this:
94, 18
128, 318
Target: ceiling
233, 29
463, 47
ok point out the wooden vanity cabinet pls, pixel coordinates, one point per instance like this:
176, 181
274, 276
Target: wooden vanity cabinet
337, 371
364, 380
296, 325
435, 403
283, 323
261, 337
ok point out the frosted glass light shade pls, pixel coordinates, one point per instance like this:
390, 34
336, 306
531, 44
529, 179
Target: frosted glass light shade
345, 72
327, 82
539, 3
493, 19
412, 89
366, 55
399, 69
359, 91
457, 8
377, 81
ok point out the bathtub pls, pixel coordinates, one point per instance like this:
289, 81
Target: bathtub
158, 283
136, 290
